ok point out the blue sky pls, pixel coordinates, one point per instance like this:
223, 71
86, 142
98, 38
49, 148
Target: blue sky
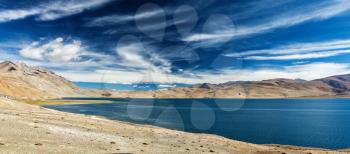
130, 41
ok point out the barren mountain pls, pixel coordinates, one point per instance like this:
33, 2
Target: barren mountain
275, 88
334, 86
22, 81
340, 84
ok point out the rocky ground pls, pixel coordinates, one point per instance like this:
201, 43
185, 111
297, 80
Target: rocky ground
31, 129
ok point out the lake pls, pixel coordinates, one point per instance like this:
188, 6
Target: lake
322, 123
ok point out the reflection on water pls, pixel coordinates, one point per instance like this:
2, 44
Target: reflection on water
321, 123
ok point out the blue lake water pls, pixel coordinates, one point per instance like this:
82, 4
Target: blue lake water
323, 123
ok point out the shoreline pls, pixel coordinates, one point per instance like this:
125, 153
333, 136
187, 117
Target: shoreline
98, 100
64, 102
150, 125
226, 144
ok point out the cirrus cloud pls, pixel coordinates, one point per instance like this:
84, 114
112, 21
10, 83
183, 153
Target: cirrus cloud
298, 51
291, 17
309, 71
52, 10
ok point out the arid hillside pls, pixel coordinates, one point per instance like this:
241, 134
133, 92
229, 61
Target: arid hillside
22, 81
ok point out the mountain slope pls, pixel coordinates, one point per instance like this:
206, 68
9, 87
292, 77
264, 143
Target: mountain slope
275, 88
279, 88
25, 82
340, 84
22, 81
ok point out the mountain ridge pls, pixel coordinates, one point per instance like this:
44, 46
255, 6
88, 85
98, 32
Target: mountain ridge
27, 82
337, 85
333, 86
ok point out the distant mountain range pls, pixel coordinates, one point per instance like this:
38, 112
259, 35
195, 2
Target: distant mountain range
281, 88
334, 86
22, 81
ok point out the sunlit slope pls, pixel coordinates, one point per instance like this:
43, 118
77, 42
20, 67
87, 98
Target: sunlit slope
22, 81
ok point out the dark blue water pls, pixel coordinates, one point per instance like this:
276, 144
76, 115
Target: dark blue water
323, 123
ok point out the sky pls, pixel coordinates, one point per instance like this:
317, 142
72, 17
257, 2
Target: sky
183, 41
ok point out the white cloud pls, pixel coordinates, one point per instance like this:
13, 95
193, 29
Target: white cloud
117, 18
134, 54
298, 51
62, 53
320, 11
54, 51
52, 10
305, 71
6, 55
71, 55
9, 15
131, 56
298, 48
109, 20
55, 54
300, 56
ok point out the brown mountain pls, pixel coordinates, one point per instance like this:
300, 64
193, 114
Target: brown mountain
340, 84
277, 88
22, 81
335, 86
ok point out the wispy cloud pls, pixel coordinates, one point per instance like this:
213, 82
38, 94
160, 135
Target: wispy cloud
5, 55
9, 15
134, 54
319, 11
119, 18
151, 68
300, 56
298, 51
109, 20
298, 48
148, 19
52, 10
305, 71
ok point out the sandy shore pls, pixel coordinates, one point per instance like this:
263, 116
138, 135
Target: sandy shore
31, 129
